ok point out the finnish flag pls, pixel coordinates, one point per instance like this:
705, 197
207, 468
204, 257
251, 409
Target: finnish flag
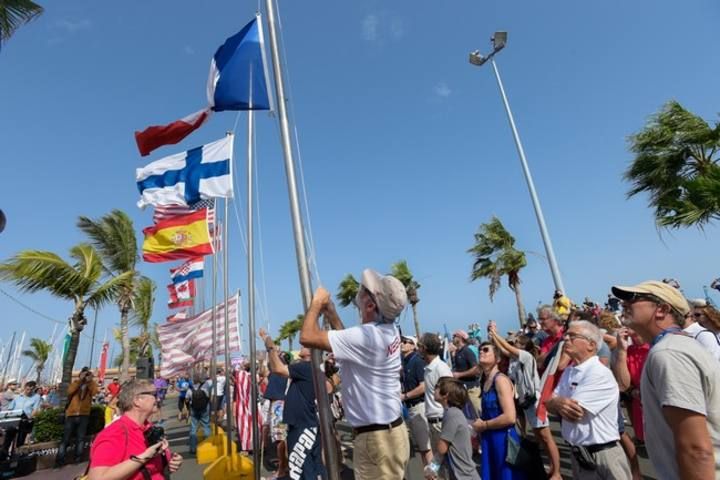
185, 178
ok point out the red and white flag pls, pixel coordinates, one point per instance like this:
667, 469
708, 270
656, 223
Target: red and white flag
548, 382
181, 294
243, 410
178, 316
103, 363
184, 342
158, 135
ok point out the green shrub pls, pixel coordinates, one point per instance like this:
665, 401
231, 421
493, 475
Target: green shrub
48, 424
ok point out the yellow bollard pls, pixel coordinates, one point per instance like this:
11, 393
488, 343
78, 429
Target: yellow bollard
236, 467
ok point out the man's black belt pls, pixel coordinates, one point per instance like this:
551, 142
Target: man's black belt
413, 401
434, 420
378, 426
600, 447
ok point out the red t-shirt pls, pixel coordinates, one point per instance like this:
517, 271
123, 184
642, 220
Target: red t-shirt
118, 441
549, 342
114, 389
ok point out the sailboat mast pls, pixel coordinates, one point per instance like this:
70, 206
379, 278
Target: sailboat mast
326, 433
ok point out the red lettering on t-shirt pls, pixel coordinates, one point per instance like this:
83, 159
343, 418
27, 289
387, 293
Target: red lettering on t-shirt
393, 347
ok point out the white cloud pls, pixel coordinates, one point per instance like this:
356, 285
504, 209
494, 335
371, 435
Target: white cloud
73, 26
397, 28
189, 50
442, 90
370, 27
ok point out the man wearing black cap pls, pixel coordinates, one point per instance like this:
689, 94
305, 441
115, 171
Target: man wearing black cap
368, 356
680, 385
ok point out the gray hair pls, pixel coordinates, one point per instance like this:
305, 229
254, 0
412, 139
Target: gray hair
589, 330
129, 391
549, 310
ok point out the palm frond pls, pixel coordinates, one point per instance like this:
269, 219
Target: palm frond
143, 303
347, 290
113, 235
35, 270
108, 291
14, 14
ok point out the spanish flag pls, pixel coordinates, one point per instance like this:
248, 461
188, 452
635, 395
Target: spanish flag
180, 237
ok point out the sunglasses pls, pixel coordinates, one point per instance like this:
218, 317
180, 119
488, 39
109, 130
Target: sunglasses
406, 342
697, 315
153, 393
641, 297
485, 349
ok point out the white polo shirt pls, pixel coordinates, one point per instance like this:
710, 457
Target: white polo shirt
368, 357
593, 386
434, 371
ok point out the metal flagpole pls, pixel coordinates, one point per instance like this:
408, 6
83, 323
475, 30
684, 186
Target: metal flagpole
213, 352
92, 344
7, 360
326, 433
228, 397
554, 269
251, 299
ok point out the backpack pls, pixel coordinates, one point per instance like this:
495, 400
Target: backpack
199, 401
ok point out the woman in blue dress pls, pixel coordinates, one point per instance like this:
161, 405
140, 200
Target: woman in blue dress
497, 420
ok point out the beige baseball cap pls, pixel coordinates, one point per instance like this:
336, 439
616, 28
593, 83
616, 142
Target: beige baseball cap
389, 293
667, 293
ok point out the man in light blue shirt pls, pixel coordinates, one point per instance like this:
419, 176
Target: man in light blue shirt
29, 402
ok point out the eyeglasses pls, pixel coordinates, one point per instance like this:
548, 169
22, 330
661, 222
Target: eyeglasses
406, 342
641, 297
573, 336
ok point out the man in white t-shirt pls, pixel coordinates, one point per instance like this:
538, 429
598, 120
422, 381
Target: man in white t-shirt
368, 356
587, 400
705, 337
680, 385
429, 348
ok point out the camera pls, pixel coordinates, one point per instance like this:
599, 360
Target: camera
527, 401
153, 435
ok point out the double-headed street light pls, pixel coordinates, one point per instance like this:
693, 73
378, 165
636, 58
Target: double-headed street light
499, 40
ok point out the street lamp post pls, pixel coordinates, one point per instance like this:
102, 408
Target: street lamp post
499, 40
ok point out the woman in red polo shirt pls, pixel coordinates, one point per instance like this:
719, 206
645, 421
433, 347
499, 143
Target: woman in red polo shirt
119, 452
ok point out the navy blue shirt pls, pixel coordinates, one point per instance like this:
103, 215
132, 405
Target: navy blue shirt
277, 384
413, 375
299, 410
463, 360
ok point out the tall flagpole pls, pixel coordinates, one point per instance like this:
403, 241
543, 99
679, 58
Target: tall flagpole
213, 350
326, 431
251, 298
228, 370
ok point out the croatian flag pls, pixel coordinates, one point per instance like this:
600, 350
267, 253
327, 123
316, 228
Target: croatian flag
189, 270
238, 72
188, 177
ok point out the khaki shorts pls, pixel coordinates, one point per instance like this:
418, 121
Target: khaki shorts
382, 454
612, 464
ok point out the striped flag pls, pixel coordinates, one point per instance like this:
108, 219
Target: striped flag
549, 380
165, 212
184, 342
243, 410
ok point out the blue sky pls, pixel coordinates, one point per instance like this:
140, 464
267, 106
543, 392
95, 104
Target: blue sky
405, 146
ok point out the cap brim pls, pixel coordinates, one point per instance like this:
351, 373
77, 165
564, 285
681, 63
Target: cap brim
626, 293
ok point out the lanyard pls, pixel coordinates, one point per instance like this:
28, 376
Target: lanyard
660, 336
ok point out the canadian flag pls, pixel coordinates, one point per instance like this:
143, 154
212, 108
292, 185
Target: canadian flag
156, 136
181, 294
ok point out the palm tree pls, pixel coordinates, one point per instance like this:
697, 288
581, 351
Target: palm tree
15, 13
496, 256
114, 237
676, 163
38, 353
33, 271
347, 290
401, 271
144, 301
290, 329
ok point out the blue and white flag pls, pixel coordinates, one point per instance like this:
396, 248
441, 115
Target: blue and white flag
188, 177
193, 268
238, 73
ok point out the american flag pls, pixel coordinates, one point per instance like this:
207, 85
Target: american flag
164, 212
243, 410
184, 342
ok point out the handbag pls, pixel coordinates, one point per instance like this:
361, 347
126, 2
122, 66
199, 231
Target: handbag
524, 454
